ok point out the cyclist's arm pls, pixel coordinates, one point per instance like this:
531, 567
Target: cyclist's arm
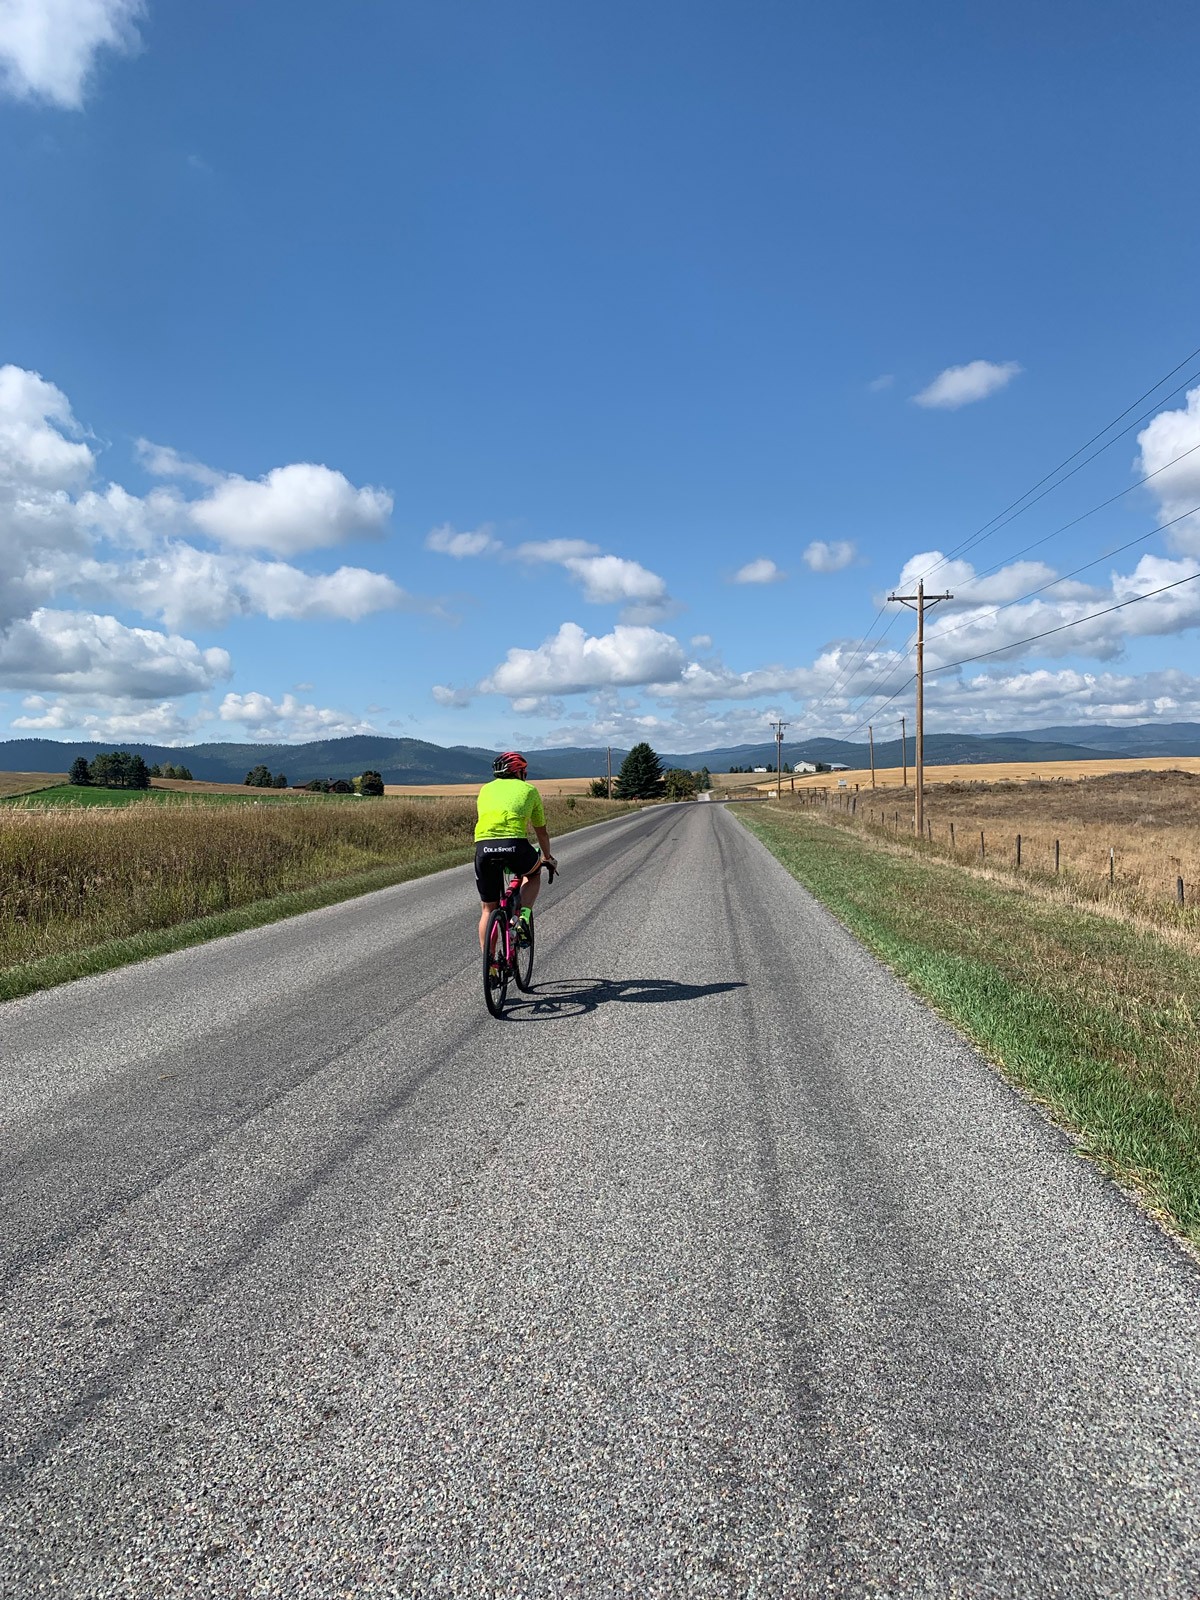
543, 839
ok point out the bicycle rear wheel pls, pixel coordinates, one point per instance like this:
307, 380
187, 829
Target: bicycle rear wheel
495, 963
523, 964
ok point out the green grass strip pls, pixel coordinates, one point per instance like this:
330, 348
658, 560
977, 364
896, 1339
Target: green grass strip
1098, 1020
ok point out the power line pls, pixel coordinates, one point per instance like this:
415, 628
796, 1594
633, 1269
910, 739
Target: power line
987, 529
886, 678
1117, 550
1084, 515
1015, 644
994, 524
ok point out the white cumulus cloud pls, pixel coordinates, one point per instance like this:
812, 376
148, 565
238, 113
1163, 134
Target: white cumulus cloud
48, 47
288, 720
1169, 436
572, 660
40, 443
761, 571
829, 555
80, 652
962, 386
187, 587
293, 508
107, 717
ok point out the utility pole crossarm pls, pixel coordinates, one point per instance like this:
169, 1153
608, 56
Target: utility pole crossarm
779, 727
920, 603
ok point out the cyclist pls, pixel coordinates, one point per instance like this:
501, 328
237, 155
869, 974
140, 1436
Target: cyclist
507, 807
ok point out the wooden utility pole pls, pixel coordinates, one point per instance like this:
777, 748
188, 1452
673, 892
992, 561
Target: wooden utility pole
904, 749
871, 742
610, 772
919, 602
779, 727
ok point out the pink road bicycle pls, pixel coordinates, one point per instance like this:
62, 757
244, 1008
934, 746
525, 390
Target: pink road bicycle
508, 944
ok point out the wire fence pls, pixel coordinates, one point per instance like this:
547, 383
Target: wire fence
1141, 869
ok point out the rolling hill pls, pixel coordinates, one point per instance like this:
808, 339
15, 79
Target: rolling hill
415, 761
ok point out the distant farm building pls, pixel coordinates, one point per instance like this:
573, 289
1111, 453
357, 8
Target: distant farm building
805, 766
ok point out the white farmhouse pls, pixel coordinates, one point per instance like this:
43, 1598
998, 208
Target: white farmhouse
805, 766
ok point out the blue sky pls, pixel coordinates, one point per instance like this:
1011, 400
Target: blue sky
549, 375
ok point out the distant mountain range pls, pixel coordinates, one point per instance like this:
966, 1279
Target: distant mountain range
415, 761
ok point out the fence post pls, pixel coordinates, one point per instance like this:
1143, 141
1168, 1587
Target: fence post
1018, 849
953, 844
1178, 891
1112, 864
1056, 855
982, 846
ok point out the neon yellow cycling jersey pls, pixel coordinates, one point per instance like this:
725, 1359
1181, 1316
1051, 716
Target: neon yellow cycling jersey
506, 808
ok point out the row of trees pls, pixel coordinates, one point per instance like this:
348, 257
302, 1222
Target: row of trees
117, 770
259, 777
167, 770
642, 778
368, 783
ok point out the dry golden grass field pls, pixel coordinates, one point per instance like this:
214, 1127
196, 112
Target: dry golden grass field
993, 772
440, 791
28, 782
76, 876
1149, 820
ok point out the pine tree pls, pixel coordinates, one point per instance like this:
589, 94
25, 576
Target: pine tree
79, 770
258, 777
640, 777
137, 775
679, 784
371, 783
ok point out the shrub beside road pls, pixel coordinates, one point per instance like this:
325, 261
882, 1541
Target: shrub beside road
1098, 1019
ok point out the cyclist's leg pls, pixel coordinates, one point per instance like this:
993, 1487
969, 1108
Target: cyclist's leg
489, 881
531, 883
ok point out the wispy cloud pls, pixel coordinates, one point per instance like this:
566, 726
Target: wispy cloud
962, 386
829, 555
761, 571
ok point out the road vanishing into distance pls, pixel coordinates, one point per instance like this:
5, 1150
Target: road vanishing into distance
719, 1268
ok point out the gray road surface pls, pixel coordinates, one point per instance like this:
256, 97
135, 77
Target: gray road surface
720, 1269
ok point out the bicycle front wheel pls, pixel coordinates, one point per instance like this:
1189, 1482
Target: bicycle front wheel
495, 963
523, 963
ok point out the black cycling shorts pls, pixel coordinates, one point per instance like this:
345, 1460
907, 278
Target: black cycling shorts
495, 857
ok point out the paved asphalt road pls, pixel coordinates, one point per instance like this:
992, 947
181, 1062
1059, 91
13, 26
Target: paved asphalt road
721, 1268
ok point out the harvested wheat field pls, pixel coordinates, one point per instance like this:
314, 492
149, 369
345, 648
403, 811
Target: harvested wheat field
28, 782
450, 791
1132, 836
973, 772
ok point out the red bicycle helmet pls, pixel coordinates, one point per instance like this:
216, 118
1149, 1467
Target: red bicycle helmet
512, 764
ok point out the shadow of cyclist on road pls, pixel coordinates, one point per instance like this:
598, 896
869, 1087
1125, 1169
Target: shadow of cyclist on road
575, 997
